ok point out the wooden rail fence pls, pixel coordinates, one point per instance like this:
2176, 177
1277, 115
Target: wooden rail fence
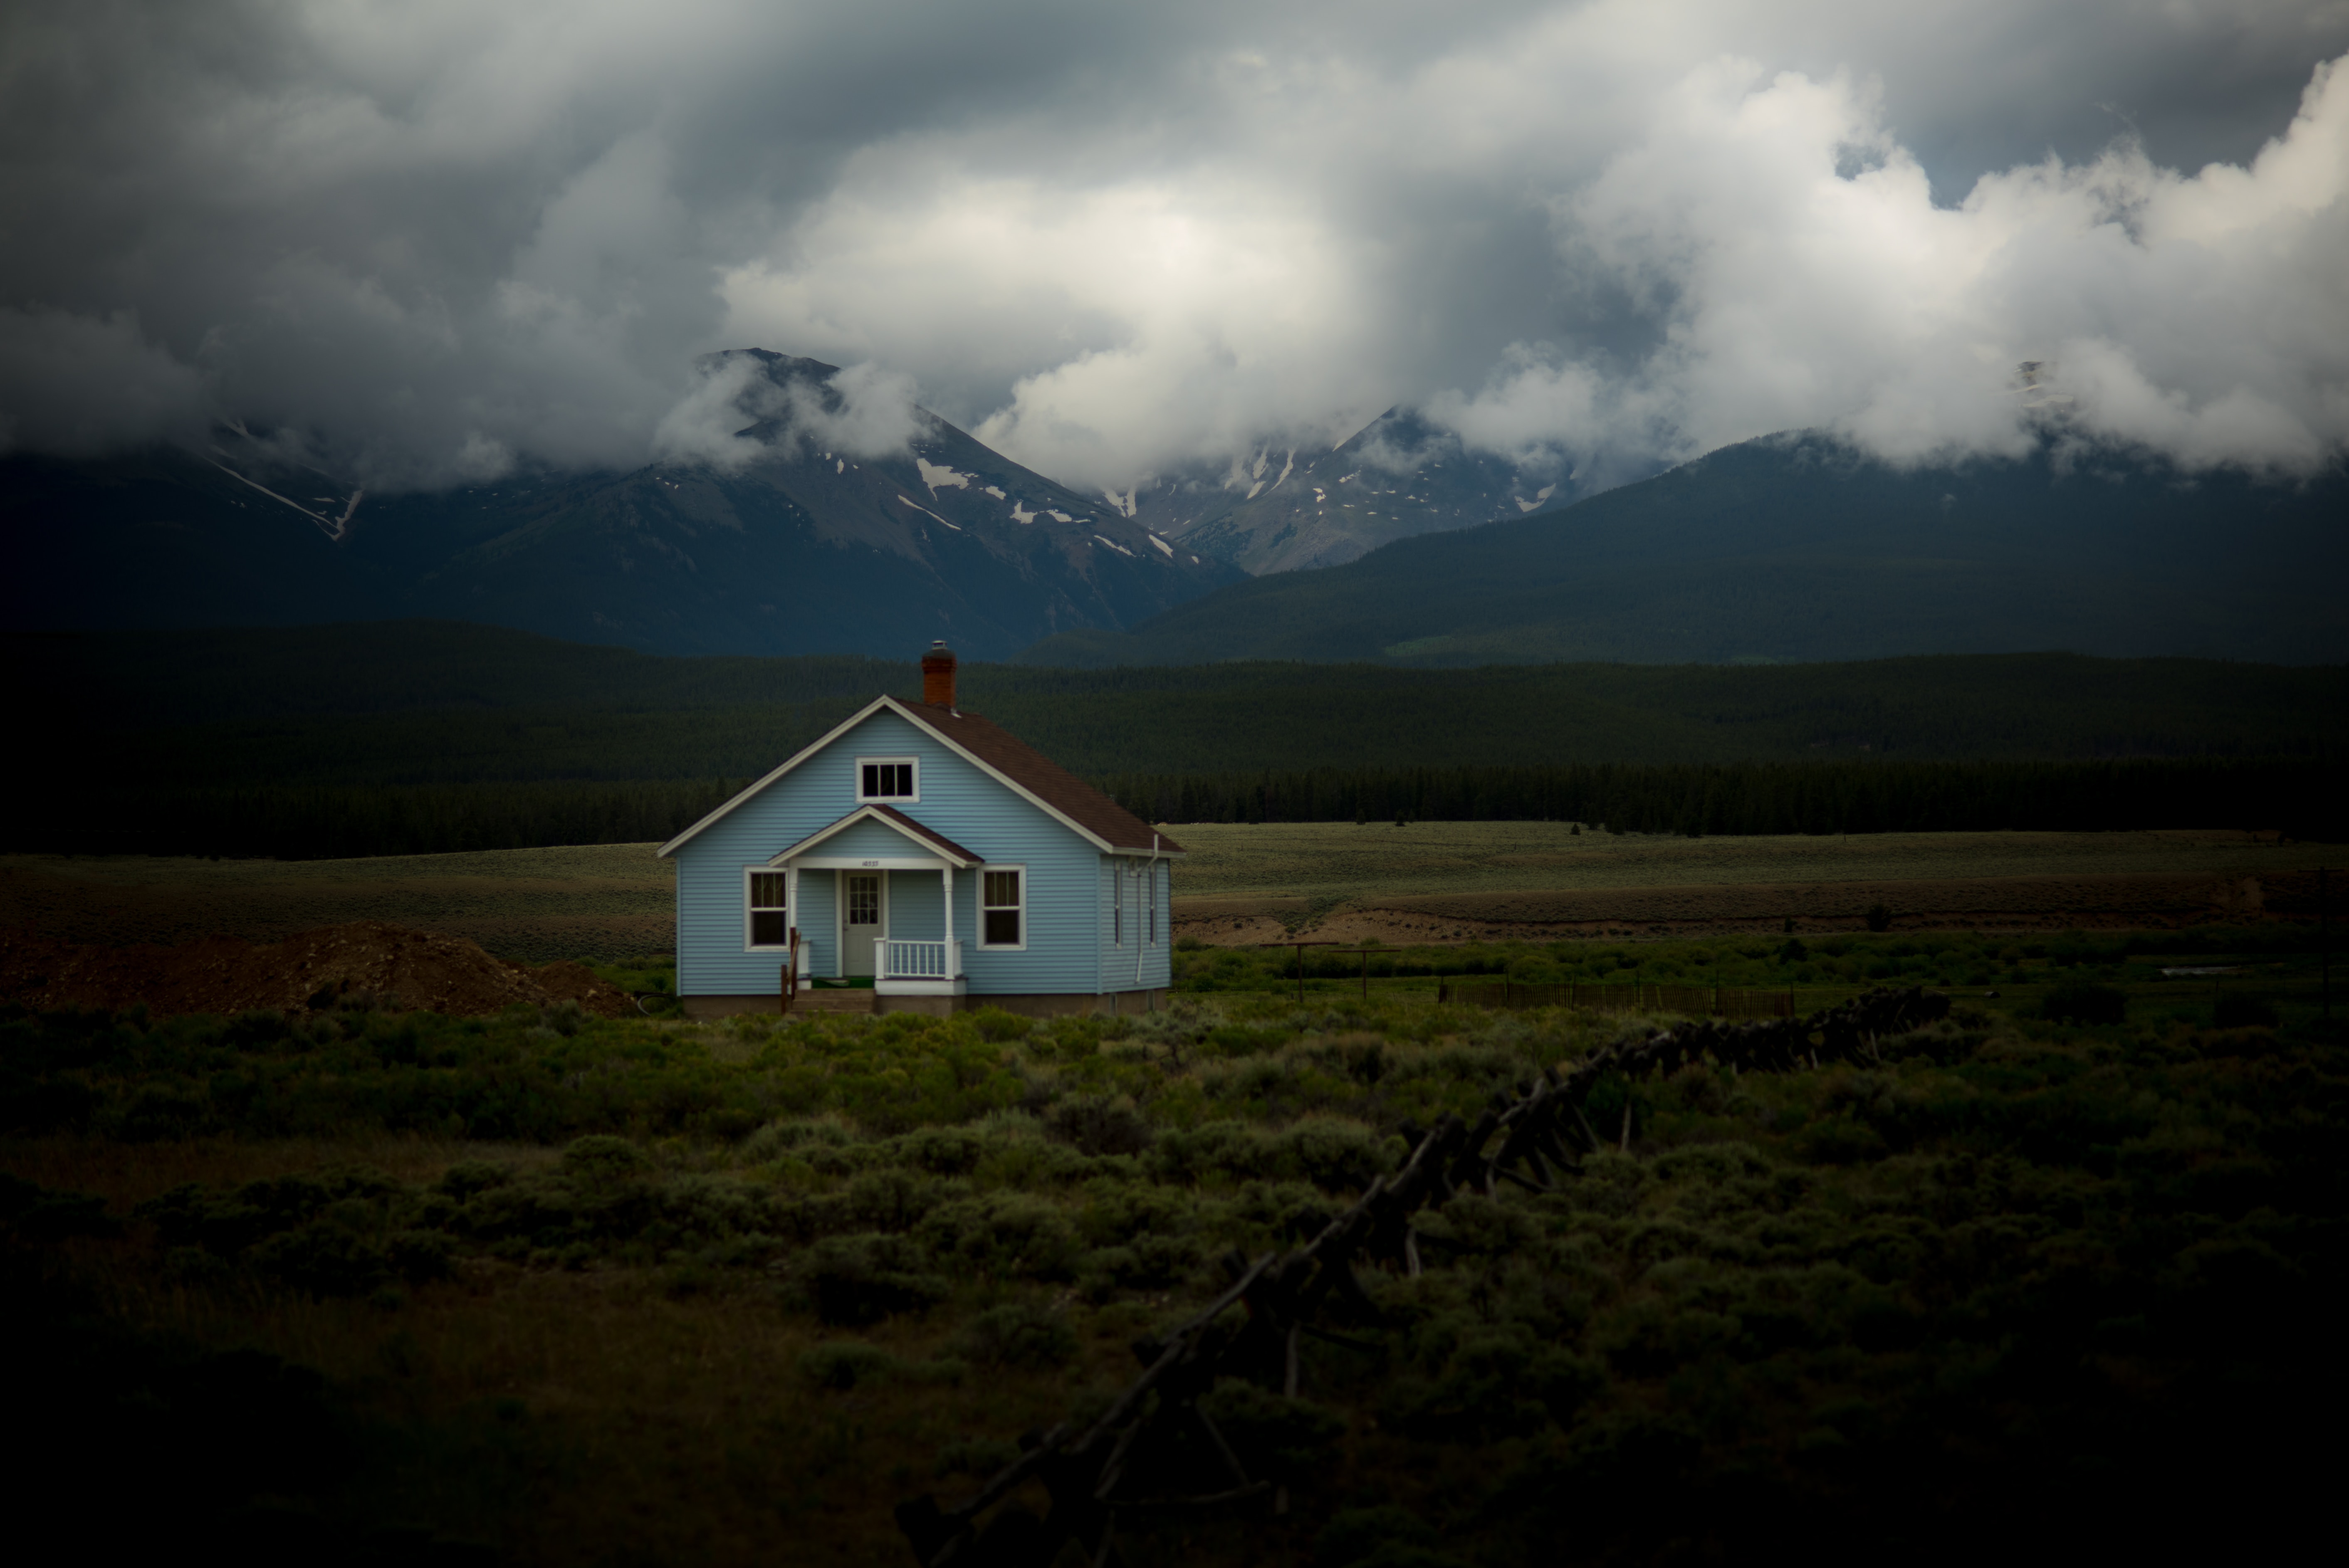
1146, 1453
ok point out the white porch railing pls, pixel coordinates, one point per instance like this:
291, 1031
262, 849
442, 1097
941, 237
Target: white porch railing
917, 960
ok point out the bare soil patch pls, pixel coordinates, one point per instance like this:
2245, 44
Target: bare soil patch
335, 965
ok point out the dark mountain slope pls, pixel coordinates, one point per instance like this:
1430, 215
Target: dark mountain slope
1791, 548
798, 551
173, 537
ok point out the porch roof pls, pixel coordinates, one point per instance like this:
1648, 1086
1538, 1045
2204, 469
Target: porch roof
935, 843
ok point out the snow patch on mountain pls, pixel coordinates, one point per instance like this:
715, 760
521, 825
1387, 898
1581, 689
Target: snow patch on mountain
935, 474
925, 511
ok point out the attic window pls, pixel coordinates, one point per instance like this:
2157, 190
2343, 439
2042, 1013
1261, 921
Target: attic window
887, 779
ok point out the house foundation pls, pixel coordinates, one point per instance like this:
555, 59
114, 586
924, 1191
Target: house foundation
862, 1001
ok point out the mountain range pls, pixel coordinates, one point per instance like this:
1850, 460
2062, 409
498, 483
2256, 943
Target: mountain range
1399, 545
1289, 508
1793, 548
800, 549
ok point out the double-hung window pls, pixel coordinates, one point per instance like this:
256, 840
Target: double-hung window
768, 916
1003, 907
888, 779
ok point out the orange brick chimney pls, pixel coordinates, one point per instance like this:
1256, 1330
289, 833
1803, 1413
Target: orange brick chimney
939, 677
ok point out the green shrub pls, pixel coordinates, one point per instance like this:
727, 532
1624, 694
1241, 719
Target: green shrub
1353, 1534
323, 1259
1272, 1436
997, 1025
1336, 1154
777, 1139
1100, 1124
1841, 1140
601, 1157
1014, 1235
37, 1213
980, 1457
846, 1363
2240, 1010
1017, 1334
1225, 1148
1149, 1262
2083, 1002
468, 1177
862, 1279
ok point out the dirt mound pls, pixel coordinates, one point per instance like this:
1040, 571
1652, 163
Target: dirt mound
388, 966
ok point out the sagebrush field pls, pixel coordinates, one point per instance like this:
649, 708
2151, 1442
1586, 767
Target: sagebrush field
574, 1289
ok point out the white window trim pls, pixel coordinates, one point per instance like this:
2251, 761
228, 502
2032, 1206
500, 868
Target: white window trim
1026, 901
864, 800
790, 907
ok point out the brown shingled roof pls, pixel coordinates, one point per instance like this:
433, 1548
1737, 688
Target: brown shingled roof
1043, 777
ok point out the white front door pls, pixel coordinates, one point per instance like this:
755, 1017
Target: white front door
861, 920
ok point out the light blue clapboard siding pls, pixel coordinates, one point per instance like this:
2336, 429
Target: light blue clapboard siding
1067, 876
818, 918
1135, 963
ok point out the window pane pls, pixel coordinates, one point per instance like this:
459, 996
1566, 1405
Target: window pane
1003, 928
863, 900
766, 890
1002, 890
768, 928
888, 781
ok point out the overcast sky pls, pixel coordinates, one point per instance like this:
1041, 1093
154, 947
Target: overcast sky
443, 239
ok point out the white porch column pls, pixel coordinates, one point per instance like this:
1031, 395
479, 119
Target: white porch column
945, 877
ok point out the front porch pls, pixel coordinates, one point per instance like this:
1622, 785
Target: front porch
893, 907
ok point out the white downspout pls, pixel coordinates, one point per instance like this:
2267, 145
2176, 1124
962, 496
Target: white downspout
1148, 912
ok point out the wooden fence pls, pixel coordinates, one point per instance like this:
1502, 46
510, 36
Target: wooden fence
1148, 1453
1695, 1001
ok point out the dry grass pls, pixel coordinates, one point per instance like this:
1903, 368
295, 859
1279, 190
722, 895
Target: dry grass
1307, 859
601, 901
610, 901
1436, 882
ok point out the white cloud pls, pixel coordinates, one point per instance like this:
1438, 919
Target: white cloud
81, 385
1589, 234
1803, 276
862, 411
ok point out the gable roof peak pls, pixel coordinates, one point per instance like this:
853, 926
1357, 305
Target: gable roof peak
996, 752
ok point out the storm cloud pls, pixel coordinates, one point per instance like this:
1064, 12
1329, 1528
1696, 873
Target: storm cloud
437, 241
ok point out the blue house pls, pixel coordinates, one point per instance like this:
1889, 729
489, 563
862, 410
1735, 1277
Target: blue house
919, 859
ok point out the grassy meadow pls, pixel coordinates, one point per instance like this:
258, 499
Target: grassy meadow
608, 902
392, 1288
542, 1287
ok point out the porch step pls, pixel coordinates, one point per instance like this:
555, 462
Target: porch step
842, 999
